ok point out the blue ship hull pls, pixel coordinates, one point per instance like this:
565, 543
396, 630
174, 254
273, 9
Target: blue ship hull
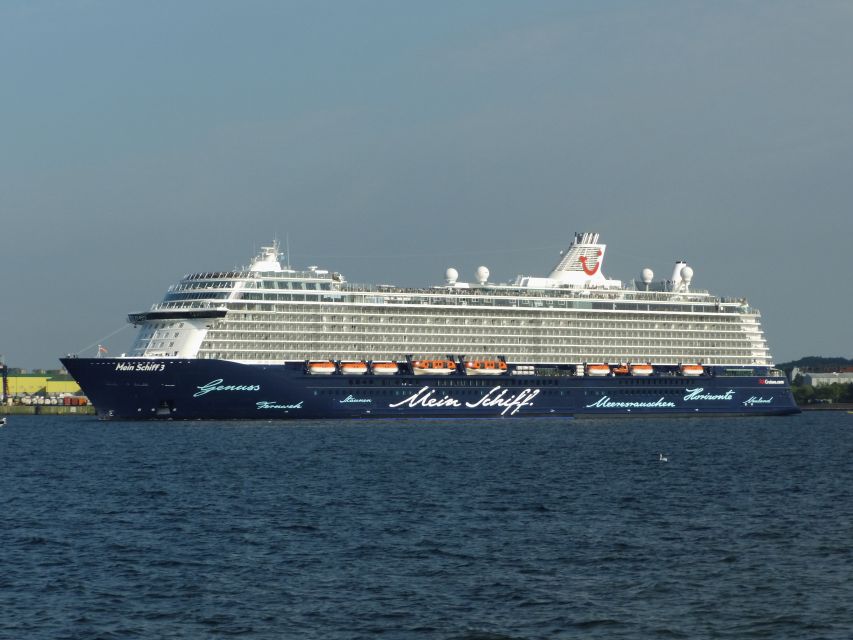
144, 389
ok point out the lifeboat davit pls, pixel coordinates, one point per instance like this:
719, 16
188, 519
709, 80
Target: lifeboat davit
433, 367
485, 367
322, 368
597, 370
692, 369
353, 368
641, 369
385, 368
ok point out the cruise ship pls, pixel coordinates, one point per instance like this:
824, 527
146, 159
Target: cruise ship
271, 342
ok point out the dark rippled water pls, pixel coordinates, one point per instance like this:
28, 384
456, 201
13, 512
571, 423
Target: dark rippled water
481, 530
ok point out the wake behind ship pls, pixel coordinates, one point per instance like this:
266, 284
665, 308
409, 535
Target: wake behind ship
271, 342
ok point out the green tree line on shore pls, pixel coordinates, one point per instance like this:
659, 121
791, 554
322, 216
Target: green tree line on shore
816, 363
835, 392
807, 394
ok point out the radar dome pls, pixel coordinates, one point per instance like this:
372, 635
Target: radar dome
482, 275
451, 275
687, 274
648, 275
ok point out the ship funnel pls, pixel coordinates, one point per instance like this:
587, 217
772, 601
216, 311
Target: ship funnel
581, 262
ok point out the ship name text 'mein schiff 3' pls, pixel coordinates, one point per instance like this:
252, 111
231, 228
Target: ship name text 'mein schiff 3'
269, 342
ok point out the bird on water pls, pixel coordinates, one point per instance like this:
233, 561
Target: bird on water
662, 458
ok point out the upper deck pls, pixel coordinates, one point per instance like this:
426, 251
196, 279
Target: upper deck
269, 312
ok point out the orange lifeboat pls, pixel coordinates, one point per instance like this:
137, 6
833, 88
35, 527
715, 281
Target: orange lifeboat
353, 368
321, 368
641, 369
621, 370
485, 367
385, 368
433, 367
597, 370
692, 369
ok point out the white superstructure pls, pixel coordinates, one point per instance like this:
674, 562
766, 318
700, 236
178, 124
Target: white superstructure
269, 314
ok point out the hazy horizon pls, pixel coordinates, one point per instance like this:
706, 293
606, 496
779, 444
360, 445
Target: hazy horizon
390, 141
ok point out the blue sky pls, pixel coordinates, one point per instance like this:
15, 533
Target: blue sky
390, 140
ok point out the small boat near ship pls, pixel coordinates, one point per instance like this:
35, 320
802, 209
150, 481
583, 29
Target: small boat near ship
485, 367
597, 370
322, 368
353, 368
691, 370
433, 367
384, 368
641, 369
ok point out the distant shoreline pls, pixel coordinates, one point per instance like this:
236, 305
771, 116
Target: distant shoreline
46, 410
827, 406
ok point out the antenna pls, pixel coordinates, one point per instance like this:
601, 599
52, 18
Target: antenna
287, 248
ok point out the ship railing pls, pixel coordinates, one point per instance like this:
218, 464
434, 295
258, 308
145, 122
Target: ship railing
185, 304
475, 296
255, 275
503, 291
521, 292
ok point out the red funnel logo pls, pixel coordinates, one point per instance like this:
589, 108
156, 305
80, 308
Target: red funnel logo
594, 270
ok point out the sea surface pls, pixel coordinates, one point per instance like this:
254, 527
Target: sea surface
464, 530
